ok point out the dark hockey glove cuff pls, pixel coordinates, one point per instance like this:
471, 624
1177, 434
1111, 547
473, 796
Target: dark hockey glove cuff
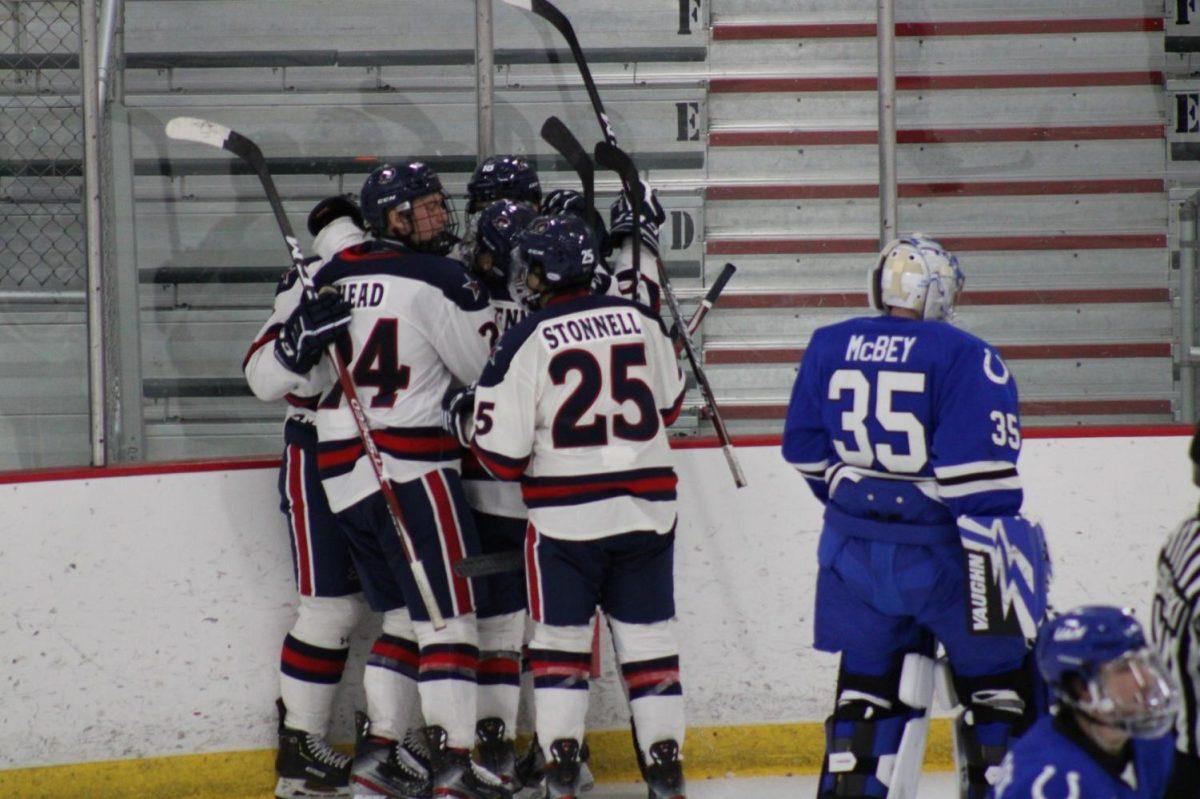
458, 412
623, 226
311, 328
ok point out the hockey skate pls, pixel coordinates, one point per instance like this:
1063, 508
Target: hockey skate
456, 775
308, 766
386, 769
664, 772
496, 753
563, 775
531, 769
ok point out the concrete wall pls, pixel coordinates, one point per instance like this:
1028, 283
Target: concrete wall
141, 615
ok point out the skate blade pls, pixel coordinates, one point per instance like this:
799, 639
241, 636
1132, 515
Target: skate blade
301, 788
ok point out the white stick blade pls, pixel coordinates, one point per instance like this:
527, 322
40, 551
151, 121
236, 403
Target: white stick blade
525, 4
198, 130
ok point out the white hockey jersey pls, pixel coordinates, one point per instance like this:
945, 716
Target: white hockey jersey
575, 402
268, 378
417, 326
501, 497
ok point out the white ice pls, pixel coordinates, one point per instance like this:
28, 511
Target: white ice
934, 785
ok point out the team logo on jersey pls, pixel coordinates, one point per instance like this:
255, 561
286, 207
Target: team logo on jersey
472, 285
1000, 377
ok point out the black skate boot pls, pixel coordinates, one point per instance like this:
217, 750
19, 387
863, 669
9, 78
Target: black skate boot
308, 766
387, 769
497, 753
562, 770
664, 772
531, 771
455, 775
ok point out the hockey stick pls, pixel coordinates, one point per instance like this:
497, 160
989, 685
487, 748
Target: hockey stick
614, 158
559, 136
706, 304
219, 136
549, 12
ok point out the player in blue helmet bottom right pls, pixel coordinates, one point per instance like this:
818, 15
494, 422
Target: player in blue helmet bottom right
1112, 735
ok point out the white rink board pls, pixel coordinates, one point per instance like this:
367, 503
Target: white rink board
143, 615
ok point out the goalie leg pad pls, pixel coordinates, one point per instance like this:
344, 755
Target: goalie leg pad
875, 739
996, 709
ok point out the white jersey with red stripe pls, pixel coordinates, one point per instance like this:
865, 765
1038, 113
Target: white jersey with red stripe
418, 325
575, 402
267, 377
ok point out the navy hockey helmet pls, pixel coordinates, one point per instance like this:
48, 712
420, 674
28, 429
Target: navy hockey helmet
569, 201
503, 177
399, 187
1096, 660
495, 235
557, 253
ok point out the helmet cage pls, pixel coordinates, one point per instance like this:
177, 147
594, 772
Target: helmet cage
1133, 692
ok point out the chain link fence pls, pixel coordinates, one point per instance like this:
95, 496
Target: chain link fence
42, 230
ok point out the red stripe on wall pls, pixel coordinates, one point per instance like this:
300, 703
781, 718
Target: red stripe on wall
766, 246
735, 32
733, 411
986, 188
791, 355
806, 138
856, 299
1027, 432
936, 82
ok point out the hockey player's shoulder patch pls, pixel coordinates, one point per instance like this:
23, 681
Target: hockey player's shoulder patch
450, 277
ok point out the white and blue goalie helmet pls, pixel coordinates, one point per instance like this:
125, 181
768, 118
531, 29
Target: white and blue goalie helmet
916, 273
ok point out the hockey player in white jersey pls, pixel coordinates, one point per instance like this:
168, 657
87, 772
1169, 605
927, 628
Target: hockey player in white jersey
315, 649
414, 329
575, 402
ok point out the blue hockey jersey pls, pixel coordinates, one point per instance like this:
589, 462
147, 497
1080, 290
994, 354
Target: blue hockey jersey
900, 426
1054, 761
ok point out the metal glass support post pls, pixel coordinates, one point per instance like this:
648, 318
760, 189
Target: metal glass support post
89, 78
109, 13
885, 34
1189, 259
485, 79
125, 410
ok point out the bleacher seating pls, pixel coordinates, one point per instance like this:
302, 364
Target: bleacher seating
1030, 135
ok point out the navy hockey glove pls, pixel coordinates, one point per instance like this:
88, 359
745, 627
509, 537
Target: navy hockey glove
458, 411
620, 217
311, 328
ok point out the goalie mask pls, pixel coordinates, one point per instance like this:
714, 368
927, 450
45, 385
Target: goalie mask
918, 274
1096, 660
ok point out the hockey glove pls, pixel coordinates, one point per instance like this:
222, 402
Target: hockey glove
458, 412
311, 328
620, 217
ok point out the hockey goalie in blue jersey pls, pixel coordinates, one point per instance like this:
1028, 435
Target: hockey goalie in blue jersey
1112, 735
908, 429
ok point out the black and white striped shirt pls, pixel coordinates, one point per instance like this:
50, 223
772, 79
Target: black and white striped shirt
1176, 625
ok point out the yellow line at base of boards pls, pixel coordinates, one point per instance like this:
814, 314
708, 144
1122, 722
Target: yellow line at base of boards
759, 750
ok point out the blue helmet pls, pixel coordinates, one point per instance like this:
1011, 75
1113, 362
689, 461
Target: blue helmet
1096, 660
560, 251
569, 201
503, 177
397, 187
495, 234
